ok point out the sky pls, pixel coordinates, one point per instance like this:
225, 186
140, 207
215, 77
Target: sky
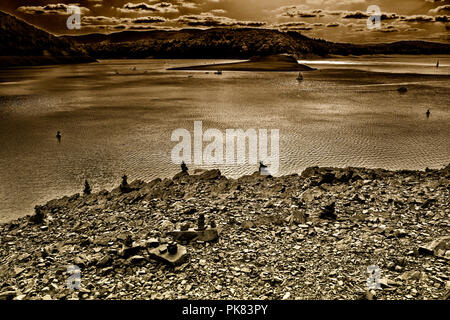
333, 20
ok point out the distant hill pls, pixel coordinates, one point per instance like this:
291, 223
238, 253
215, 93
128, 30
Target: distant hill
24, 44
234, 43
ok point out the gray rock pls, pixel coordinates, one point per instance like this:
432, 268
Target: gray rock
7, 295
437, 247
160, 253
207, 235
104, 261
137, 259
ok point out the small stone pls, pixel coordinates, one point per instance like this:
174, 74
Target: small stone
18, 271
137, 259
205, 235
286, 296
104, 261
411, 275
7, 295
247, 224
437, 247
167, 226
400, 233
398, 268
328, 212
371, 295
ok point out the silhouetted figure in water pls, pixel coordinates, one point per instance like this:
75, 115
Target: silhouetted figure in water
58, 136
184, 167
428, 113
87, 188
262, 168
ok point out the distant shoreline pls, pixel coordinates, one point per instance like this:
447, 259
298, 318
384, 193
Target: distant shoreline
28, 61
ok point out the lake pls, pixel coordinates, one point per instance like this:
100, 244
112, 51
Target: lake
116, 120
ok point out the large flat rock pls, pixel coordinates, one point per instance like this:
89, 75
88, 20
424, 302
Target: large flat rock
160, 253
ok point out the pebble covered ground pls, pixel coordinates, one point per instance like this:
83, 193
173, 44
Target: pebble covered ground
308, 236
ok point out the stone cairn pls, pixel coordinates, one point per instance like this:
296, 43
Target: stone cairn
201, 222
172, 248
87, 188
124, 186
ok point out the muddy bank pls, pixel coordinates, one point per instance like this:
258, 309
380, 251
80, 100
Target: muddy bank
308, 236
275, 63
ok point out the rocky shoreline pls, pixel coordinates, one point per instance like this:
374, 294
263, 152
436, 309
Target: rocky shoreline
308, 236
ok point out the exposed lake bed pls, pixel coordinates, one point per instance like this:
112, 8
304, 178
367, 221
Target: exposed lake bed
328, 233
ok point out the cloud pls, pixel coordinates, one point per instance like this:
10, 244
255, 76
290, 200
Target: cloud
50, 9
291, 24
418, 18
160, 7
296, 12
334, 20
102, 20
113, 24
355, 15
218, 11
150, 19
364, 15
445, 8
188, 5
441, 19
389, 16
208, 20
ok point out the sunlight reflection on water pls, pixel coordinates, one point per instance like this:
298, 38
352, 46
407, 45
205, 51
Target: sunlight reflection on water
115, 121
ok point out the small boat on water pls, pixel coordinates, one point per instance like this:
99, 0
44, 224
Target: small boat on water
300, 76
219, 72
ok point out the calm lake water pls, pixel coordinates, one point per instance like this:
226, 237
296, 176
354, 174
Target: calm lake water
348, 113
